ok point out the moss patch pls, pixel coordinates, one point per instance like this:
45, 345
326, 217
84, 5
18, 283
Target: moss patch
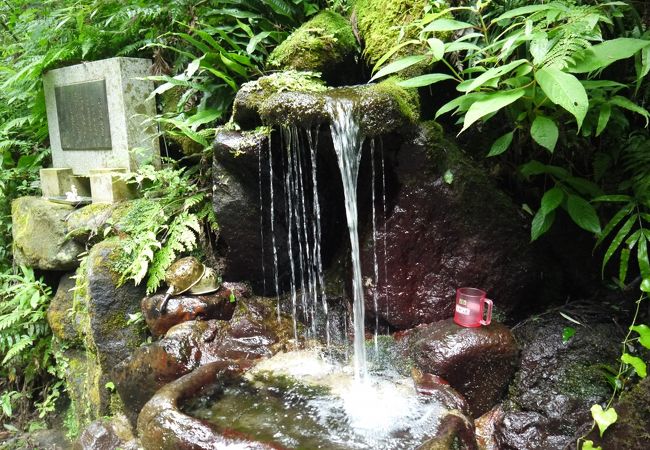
323, 42
380, 23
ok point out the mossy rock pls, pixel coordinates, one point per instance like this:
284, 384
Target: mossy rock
325, 44
65, 323
251, 95
40, 233
382, 24
381, 108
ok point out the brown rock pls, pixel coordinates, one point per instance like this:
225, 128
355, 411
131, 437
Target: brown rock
183, 308
477, 362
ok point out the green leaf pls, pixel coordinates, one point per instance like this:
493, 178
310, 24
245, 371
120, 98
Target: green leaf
424, 80
231, 297
642, 257
565, 90
583, 214
630, 106
567, 333
617, 241
589, 445
636, 362
489, 104
495, 72
524, 10
501, 145
552, 199
623, 265
602, 55
544, 131
398, 65
446, 25
644, 334
618, 217
461, 103
461, 46
603, 117
603, 418
541, 224
437, 48
645, 285
448, 177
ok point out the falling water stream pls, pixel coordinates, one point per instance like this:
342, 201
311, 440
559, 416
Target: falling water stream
348, 142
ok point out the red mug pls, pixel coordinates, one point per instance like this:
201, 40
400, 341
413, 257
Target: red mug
470, 308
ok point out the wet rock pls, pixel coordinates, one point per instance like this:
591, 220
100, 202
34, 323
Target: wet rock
64, 323
218, 305
477, 362
454, 432
162, 426
632, 428
107, 434
252, 332
551, 394
40, 235
50, 439
484, 426
448, 227
325, 44
251, 95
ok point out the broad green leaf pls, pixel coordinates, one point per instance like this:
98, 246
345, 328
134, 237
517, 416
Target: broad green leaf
552, 199
583, 186
541, 224
583, 214
589, 445
642, 257
597, 84
565, 90
392, 51
539, 48
631, 106
617, 241
524, 10
644, 334
603, 418
603, 117
537, 168
437, 48
495, 72
461, 103
501, 145
567, 333
424, 80
544, 131
460, 46
636, 362
602, 55
446, 25
489, 104
398, 65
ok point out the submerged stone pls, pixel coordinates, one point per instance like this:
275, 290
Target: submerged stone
325, 44
477, 362
40, 234
550, 397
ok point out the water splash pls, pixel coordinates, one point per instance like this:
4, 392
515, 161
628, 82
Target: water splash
348, 142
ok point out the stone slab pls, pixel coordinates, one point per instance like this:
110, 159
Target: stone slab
95, 114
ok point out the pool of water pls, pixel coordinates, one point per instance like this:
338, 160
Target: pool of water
299, 400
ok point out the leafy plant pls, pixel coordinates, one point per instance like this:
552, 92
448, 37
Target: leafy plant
29, 372
167, 221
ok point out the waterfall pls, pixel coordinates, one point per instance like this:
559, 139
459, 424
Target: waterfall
348, 142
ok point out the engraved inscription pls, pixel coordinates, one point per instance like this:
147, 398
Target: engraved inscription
82, 110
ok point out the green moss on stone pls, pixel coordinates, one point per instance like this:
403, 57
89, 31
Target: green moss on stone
318, 45
408, 100
381, 22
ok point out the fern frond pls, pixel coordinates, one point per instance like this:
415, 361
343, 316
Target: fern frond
18, 348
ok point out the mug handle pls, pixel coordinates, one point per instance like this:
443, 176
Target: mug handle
488, 317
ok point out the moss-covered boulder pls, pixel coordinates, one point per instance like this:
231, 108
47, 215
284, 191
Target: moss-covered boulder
100, 335
251, 95
382, 24
40, 233
381, 108
325, 44
65, 324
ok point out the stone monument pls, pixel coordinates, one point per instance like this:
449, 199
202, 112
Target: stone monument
96, 113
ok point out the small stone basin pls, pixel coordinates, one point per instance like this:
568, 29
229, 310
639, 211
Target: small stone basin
297, 400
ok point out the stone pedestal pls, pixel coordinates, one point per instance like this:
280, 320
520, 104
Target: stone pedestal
56, 182
108, 186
